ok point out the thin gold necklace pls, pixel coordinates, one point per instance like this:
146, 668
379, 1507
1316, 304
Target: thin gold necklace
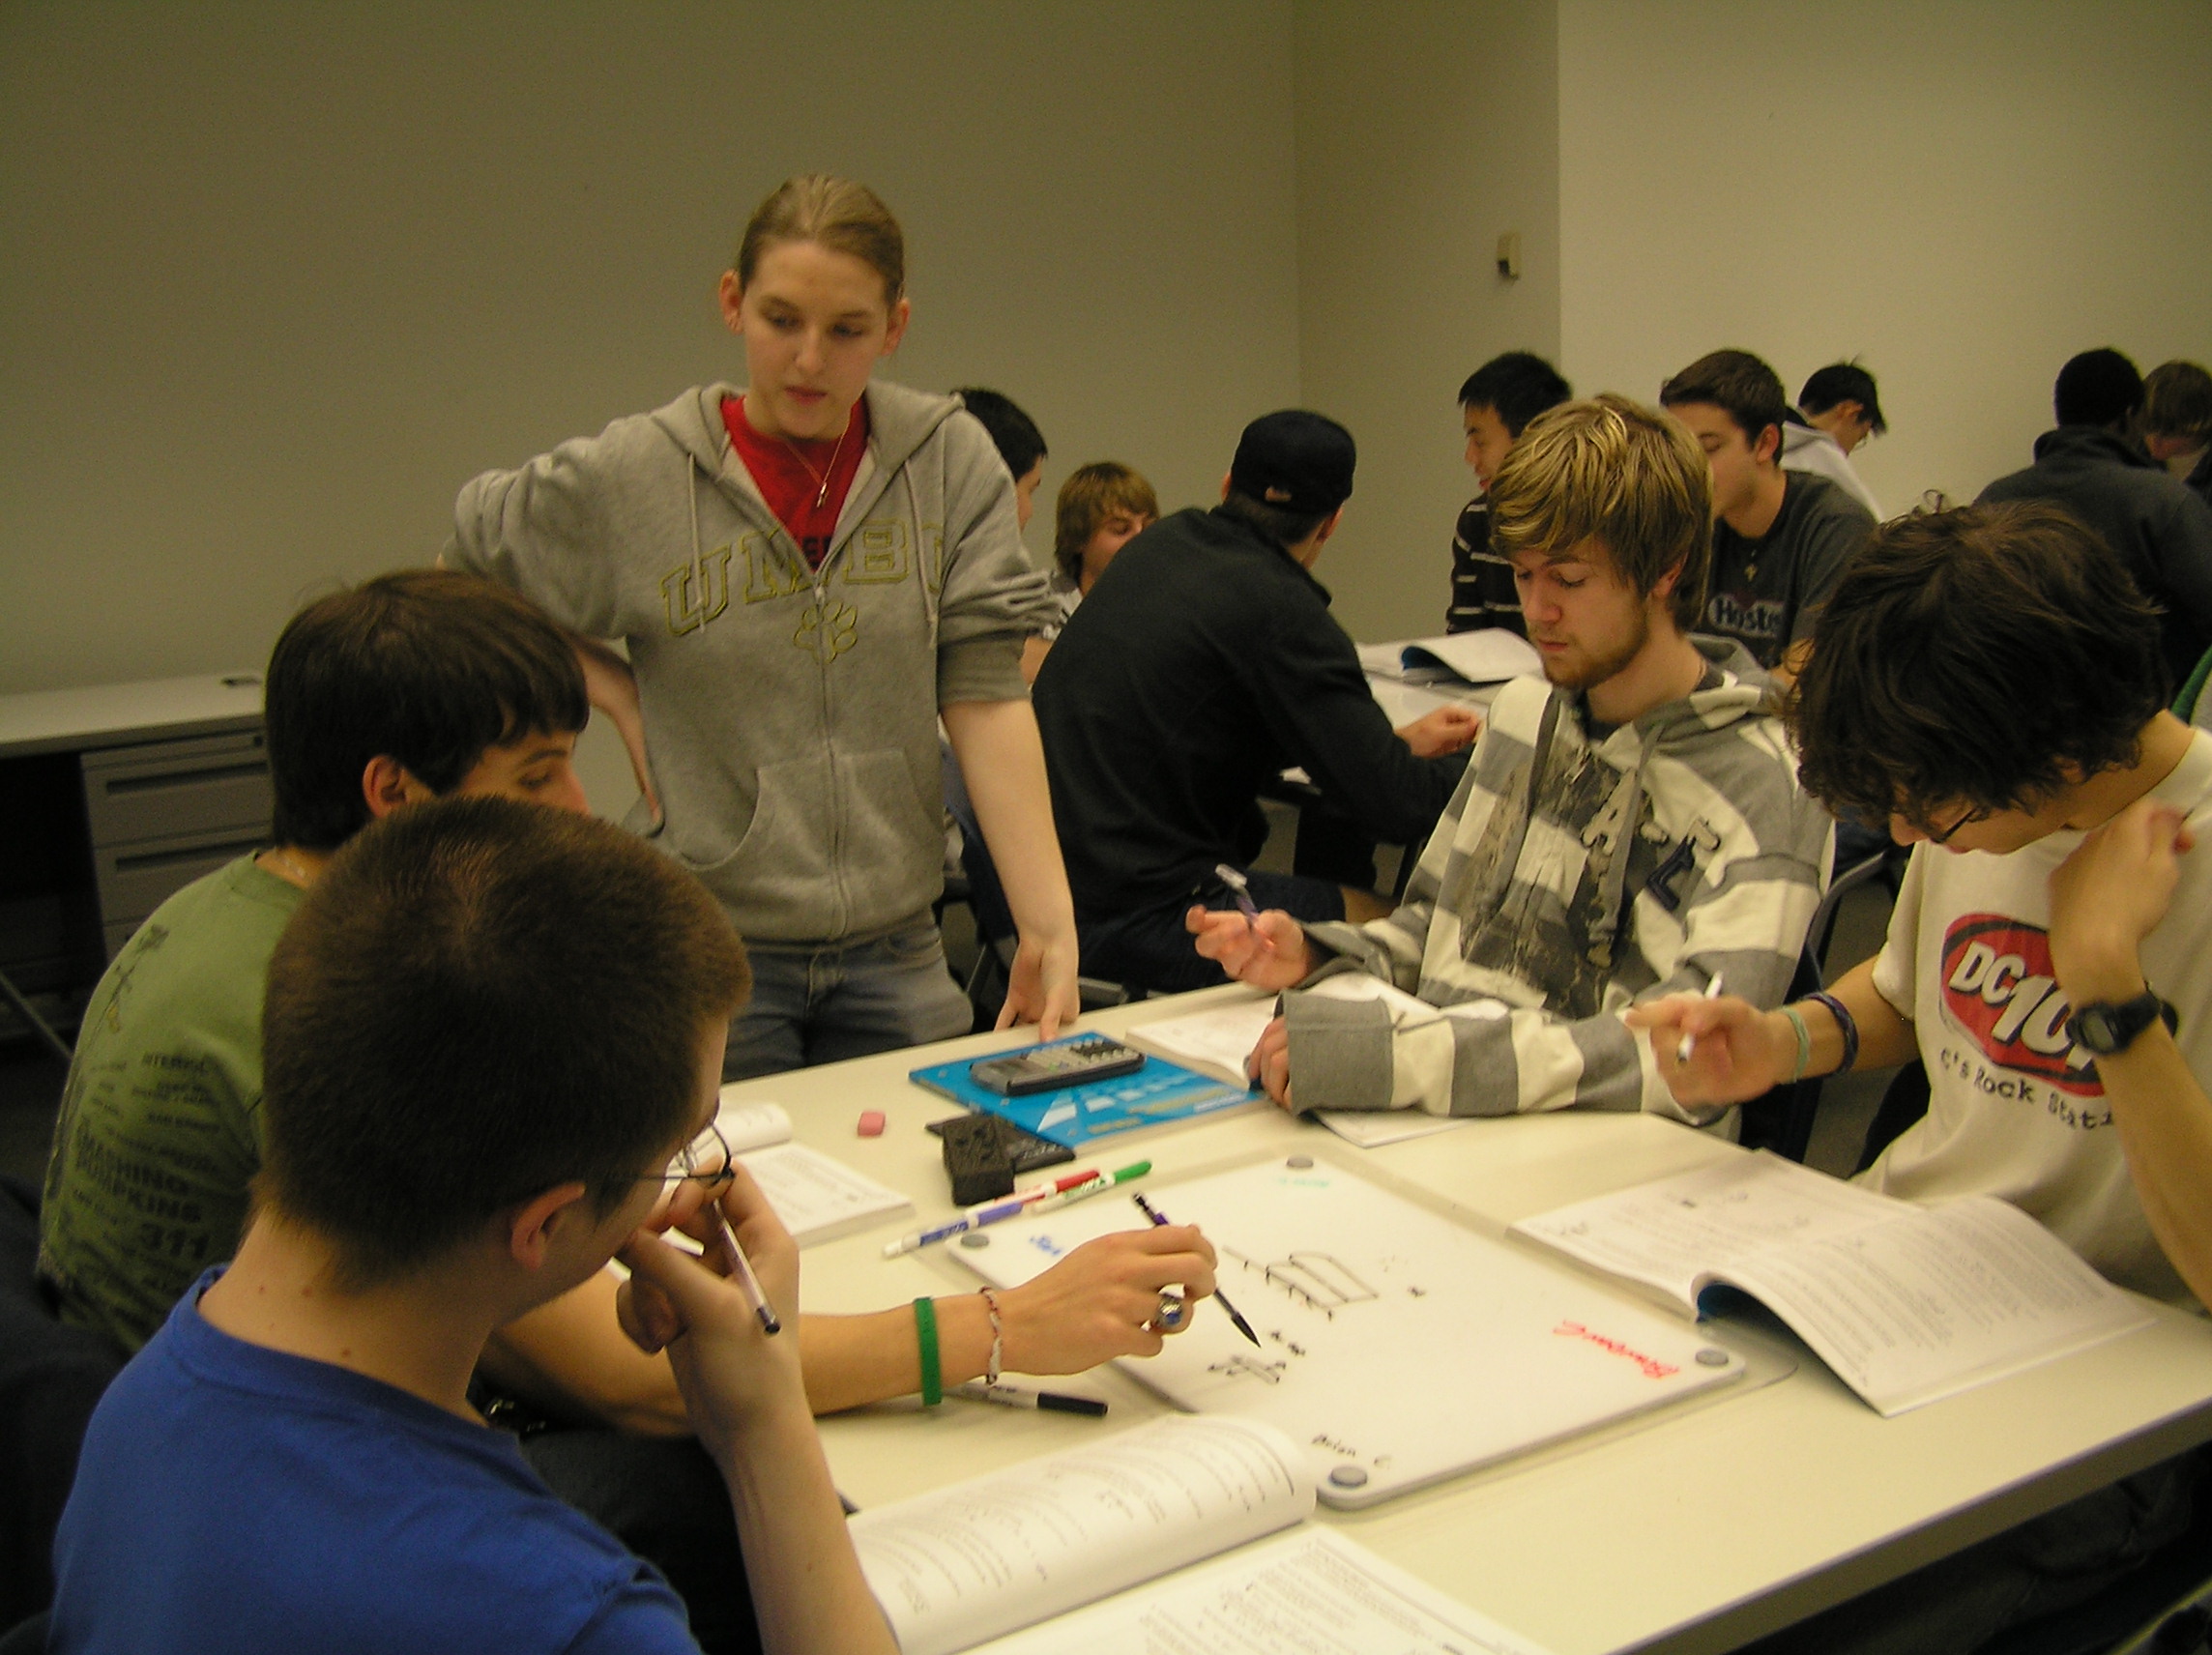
822, 495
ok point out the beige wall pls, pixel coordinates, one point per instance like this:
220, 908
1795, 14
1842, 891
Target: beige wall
1965, 194
276, 279
1425, 129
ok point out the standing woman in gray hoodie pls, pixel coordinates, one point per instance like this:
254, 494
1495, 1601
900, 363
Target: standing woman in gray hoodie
808, 571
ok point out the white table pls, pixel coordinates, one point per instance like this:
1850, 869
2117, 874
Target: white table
1695, 1530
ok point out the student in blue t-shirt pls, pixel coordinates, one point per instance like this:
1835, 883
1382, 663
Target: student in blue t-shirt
492, 1030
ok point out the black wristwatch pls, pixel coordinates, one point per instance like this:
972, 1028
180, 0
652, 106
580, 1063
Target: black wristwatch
2106, 1028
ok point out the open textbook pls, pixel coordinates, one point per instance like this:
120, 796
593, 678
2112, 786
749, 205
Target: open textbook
961, 1565
1217, 1040
1906, 1304
1489, 655
818, 1196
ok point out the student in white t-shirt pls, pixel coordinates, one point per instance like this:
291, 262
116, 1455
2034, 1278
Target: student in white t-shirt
1988, 682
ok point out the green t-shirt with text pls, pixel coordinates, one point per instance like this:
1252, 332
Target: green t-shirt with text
159, 1131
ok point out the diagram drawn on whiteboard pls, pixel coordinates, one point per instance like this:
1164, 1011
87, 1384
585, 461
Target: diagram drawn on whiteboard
1319, 1281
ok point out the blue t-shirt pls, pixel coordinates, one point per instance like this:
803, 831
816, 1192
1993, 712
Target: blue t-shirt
233, 1498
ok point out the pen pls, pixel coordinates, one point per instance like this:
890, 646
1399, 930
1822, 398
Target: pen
742, 1269
1021, 1396
1689, 1042
988, 1212
1159, 1217
1240, 888
1096, 1186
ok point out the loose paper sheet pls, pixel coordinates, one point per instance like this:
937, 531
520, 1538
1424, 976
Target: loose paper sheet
1308, 1592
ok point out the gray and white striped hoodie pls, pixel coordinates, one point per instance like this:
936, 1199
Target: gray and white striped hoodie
1575, 872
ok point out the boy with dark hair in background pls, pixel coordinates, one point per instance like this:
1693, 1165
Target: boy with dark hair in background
1016, 437
491, 1032
1779, 538
1988, 681
1496, 405
2092, 465
1837, 410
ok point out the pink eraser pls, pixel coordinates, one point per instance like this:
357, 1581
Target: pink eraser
872, 1124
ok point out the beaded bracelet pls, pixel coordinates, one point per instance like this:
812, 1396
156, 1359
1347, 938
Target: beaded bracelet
998, 1336
1846, 1022
925, 1331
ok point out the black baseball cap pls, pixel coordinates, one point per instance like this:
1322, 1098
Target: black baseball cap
1295, 461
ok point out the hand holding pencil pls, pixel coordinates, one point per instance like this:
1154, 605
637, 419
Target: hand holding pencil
712, 1313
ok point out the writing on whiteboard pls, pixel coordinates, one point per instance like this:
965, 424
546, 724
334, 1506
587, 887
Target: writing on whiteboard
1651, 1366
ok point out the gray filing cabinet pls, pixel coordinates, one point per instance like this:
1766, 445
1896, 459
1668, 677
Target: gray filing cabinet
160, 813
112, 798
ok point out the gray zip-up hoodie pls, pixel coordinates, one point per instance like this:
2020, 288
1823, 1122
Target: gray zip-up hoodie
790, 714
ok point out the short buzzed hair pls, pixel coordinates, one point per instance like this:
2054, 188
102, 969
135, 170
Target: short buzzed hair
1988, 656
479, 1000
428, 666
1738, 383
1617, 472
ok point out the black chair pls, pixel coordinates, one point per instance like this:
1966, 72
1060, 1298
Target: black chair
1783, 1120
51, 1377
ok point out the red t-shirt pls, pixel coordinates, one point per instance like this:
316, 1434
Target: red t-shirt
803, 482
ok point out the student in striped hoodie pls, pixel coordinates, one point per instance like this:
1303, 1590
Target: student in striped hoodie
1630, 826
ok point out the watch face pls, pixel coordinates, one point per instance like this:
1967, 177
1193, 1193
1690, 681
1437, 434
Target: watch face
2108, 1029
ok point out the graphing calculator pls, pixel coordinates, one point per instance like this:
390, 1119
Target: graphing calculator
1064, 1063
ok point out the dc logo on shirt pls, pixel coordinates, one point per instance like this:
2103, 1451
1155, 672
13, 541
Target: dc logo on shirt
1999, 989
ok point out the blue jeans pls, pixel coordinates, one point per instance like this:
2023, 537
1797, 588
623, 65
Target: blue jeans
820, 1002
1150, 949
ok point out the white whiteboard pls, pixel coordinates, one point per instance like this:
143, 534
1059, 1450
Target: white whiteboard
1396, 1347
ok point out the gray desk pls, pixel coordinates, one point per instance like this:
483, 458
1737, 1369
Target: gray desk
1694, 1531
114, 798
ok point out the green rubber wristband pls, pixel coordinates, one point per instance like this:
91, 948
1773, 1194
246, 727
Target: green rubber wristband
925, 1332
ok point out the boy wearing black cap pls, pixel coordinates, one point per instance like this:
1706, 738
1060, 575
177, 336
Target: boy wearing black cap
1204, 662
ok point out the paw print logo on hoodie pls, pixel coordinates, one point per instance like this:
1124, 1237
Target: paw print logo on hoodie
827, 629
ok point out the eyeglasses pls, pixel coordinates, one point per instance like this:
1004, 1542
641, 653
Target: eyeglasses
1979, 813
705, 1160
